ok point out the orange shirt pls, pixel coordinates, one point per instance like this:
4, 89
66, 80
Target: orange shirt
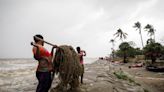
45, 61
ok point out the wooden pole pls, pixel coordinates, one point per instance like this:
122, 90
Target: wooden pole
44, 41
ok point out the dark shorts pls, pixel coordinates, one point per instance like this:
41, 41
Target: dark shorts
44, 79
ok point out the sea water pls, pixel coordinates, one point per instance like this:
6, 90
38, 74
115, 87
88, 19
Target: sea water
18, 75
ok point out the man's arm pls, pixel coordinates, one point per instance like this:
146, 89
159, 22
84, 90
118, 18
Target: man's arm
52, 51
83, 53
36, 55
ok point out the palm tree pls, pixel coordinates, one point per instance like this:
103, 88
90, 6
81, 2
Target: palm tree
112, 41
137, 25
151, 31
150, 40
121, 34
132, 43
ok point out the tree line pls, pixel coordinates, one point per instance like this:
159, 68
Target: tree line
151, 50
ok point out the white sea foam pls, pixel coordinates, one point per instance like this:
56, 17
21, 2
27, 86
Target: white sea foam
89, 60
18, 75
17, 64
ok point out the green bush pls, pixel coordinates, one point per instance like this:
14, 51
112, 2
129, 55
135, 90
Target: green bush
123, 76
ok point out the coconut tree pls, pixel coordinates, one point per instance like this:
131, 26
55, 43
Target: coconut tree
148, 26
112, 41
151, 31
137, 25
153, 50
150, 40
122, 35
124, 47
132, 43
130, 52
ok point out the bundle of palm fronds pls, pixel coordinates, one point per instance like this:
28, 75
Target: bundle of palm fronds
67, 64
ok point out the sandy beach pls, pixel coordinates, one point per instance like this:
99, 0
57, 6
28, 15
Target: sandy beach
99, 77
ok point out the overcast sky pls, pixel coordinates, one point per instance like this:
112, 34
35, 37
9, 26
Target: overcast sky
89, 24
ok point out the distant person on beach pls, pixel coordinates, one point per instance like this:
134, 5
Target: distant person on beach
81, 53
45, 66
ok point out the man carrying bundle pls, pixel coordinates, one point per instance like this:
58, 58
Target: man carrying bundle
45, 66
81, 53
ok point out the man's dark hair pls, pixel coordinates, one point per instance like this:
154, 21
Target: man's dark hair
78, 49
39, 36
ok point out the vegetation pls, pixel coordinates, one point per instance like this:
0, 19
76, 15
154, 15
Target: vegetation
122, 35
124, 47
123, 76
112, 41
151, 31
126, 50
152, 50
137, 25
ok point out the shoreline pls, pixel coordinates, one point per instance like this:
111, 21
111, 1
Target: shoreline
98, 77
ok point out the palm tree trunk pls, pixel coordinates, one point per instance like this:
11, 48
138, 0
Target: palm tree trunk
113, 44
154, 37
153, 59
125, 57
113, 50
113, 54
141, 38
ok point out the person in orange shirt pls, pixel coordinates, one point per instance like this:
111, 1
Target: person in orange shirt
81, 53
45, 65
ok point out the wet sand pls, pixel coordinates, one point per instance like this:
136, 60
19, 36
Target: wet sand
152, 81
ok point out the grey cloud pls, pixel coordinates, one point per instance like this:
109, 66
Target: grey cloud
87, 23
